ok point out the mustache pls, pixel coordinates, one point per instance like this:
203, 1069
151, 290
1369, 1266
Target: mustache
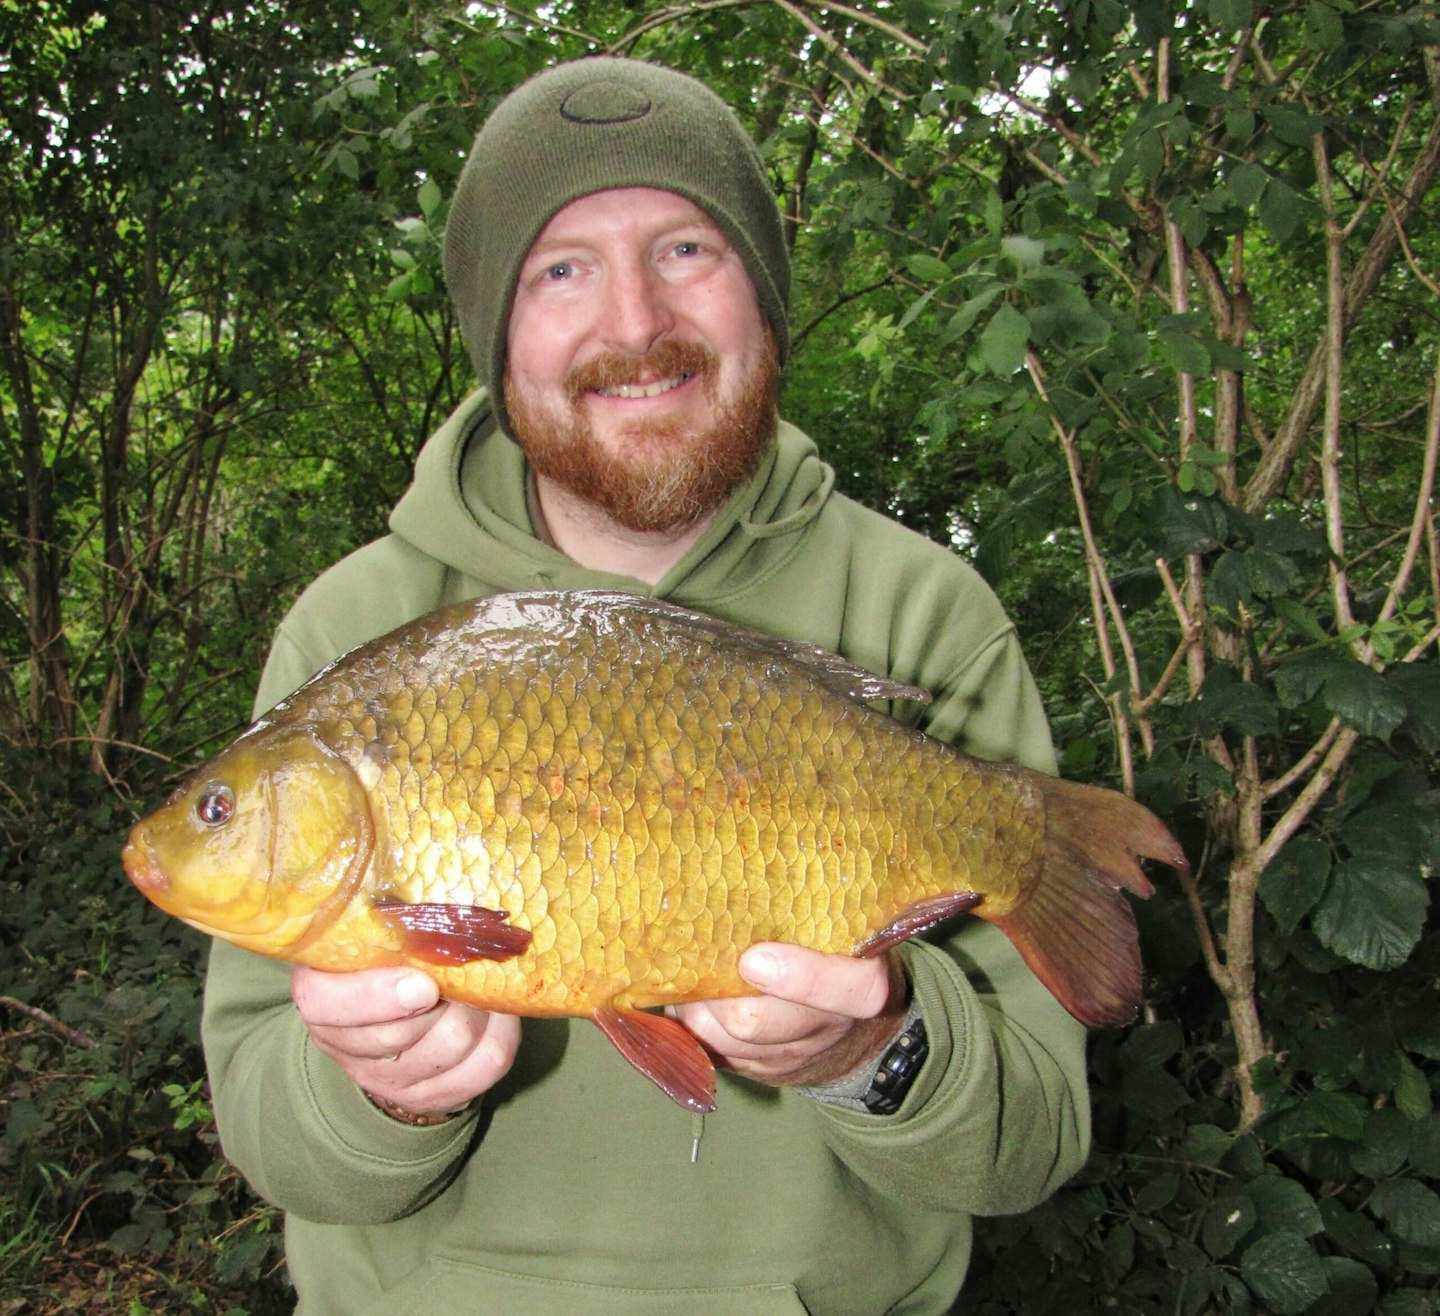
613, 369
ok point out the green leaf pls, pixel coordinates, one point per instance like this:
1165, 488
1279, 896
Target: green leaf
1150, 154
993, 211
1285, 1206
1284, 1272
1372, 913
1357, 1234
1300, 677
1353, 1289
1206, 1144
1387, 1144
429, 197
1412, 1091
1228, 1219
1357, 694
1247, 182
1291, 885
1280, 210
927, 268
1425, 1147
1418, 684
1191, 477
1323, 27
1407, 1302
1362, 698
1410, 1209
1119, 1248
1240, 124
1153, 1093
1157, 1193
1227, 704
1293, 126
961, 322
1271, 573
1230, 15
1003, 344
1184, 352
1302, 618
1190, 527
1334, 1113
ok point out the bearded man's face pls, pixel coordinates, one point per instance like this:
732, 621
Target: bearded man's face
641, 374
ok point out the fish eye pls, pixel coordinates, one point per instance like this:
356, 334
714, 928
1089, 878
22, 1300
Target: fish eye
216, 805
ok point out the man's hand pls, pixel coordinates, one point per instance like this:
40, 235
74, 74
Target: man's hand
821, 1018
391, 1033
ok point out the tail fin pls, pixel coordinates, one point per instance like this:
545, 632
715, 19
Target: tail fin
1075, 930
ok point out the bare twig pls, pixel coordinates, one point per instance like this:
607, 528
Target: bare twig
839, 51
1424, 512
72, 1035
1104, 604
1330, 453
1302, 766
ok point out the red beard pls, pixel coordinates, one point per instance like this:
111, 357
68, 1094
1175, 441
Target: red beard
665, 476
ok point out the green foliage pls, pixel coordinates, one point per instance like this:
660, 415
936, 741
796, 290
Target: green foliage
108, 1163
1065, 276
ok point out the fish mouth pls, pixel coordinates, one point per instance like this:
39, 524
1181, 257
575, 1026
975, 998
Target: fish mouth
655, 390
140, 866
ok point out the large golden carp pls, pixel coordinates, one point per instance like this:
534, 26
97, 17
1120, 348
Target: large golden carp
592, 803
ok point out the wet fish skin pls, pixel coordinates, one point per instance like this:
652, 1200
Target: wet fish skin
582, 803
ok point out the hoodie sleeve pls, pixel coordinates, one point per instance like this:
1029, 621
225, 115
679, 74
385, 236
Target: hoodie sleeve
293, 1123
999, 1117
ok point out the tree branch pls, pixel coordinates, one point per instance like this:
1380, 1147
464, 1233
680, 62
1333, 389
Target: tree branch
1274, 465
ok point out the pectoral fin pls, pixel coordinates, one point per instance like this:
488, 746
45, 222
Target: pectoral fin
666, 1052
452, 934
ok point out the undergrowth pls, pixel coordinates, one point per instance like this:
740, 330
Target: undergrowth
114, 1196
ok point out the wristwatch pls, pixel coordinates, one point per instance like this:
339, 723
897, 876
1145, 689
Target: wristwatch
898, 1069
882, 1090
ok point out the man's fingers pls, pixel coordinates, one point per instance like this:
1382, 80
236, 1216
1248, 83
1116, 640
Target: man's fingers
447, 1068
362, 998
837, 984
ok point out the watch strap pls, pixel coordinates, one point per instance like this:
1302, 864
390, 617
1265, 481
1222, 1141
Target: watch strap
880, 1089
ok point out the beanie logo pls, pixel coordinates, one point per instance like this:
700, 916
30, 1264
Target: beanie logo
605, 100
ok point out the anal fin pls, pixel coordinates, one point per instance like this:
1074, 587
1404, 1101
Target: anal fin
916, 918
452, 934
666, 1052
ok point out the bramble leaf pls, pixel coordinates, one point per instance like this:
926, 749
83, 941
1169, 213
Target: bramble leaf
1284, 1272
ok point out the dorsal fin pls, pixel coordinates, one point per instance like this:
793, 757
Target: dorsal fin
831, 670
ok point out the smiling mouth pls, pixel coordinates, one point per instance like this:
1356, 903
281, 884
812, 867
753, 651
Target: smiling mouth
654, 390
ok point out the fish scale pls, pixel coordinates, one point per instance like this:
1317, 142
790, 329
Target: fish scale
591, 803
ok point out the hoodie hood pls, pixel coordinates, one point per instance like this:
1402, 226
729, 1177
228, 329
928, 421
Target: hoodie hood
468, 507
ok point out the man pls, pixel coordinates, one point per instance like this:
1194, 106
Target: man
617, 263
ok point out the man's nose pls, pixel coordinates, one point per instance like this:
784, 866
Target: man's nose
637, 312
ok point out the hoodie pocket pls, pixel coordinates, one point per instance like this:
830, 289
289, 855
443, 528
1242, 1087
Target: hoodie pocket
447, 1285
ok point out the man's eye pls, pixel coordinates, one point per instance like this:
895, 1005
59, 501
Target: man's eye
687, 248
561, 270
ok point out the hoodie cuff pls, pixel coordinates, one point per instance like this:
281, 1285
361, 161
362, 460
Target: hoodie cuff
945, 999
365, 1131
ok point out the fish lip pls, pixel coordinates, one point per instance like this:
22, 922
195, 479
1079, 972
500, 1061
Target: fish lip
140, 866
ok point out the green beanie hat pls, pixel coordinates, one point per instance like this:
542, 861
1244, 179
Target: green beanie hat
583, 127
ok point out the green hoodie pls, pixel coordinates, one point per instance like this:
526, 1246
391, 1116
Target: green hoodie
574, 1186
